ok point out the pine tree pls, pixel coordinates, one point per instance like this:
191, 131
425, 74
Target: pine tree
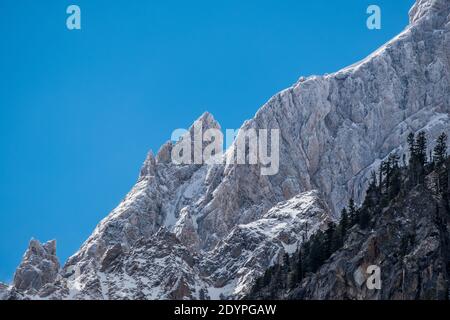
373, 181
439, 159
386, 173
344, 225
317, 252
390, 171
421, 148
394, 160
364, 219
258, 285
330, 240
305, 234
352, 211
418, 157
395, 176
292, 279
440, 150
300, 270
411, 143
286, 262
267, 277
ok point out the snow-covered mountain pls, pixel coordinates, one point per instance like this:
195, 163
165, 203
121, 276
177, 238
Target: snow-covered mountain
207, 231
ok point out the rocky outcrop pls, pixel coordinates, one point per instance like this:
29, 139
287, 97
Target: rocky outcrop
251, 248
334, 130
39, 267
3, 291
409, 242
426, 9
156, 268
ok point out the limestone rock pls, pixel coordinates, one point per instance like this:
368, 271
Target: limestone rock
39, 267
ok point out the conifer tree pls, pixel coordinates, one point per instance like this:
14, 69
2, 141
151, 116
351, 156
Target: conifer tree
411, 143
421, 148
395, 175
418, 157
364, 219
373, 180
300, 269
440, 150
317, 252
352, 211
330, 243
344, 225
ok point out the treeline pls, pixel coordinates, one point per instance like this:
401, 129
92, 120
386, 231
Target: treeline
394, 179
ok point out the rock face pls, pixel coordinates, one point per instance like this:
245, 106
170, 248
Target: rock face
251, 248
156, 268
422, 8
410, 242
334, 130
3, 291
39, 267
402, 237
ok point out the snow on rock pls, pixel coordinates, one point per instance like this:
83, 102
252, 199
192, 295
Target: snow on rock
39, 267
251, 248
157, 268
422, 8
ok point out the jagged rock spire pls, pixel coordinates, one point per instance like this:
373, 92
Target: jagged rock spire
206, 120
39, 266
148, 168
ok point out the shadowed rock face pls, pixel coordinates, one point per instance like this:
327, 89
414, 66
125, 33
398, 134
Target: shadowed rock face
412, 267
405, 238
39, 267
334, 130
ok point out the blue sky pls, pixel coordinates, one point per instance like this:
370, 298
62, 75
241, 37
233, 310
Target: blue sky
80, 109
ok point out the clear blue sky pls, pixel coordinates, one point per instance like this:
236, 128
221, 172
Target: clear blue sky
80, 109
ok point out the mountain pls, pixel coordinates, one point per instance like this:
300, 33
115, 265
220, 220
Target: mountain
208, 231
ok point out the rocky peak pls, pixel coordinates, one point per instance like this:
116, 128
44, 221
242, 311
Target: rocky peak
208, 121
164, 153
39, 266
204, 122
149, 166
